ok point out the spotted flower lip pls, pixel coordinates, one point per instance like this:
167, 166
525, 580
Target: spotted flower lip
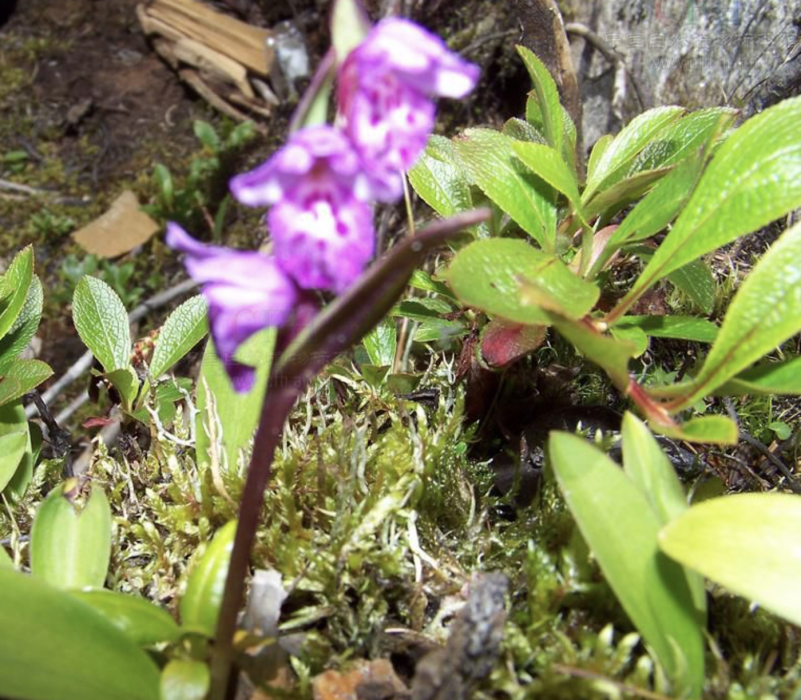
246, 292
384, 95
320, 225
315, 149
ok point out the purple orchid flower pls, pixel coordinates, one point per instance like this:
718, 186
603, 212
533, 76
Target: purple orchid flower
246, 292
320, 222
385, 86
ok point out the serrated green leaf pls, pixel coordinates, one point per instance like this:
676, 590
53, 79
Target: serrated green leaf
71, 549
681, 327
752, 180
139, 619
55, 647
622, 193
24, 328
381, 343
102, 322
652, 590
520, 130
765, 312
236, 415
487, 275
21, 377
488, 158
747, 543
546, 163
200, 605
439, 183
185, 679
17, 280
547, 97
183, 329
616, 161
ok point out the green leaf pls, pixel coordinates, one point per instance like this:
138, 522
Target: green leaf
381, 343
204, 590
5, 560
547, 97
596, 154
752, 180
489, 160
438, 181
12, 449
71, 549
227, 415
55, 647
715, 430
651, 471
183, 329
140, 620
622, 193
487, 275
24, 328
21, 377
684, 136
422, 280
17, 279
681, 327
205, 133
633, 335
349, 26
185, 679
696, 280
126, 382
747, 543
615, 163
780, 378
611, 354
102, 322
545, 162
15, 480
782, 430
520, 130
165, 184
765, 312
652, 590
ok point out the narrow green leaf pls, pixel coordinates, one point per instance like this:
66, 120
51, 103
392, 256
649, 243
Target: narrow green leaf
205, 133
71, 549
204, 590
696, 280
747, 543
55, 647
779, 378
102, 322
422, 280
183, 329
487, 275
381, 343
681, 327
139, 619
622, 193
652, 590
545, 162
616, 161
752, 180
714, 430
488, 158
349, 26
185, 679
547, 96
24, 328
596, 154
17, 279
227, 420
765, 312
651, 471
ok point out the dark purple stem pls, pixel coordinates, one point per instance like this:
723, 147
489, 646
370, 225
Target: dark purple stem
334, 330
